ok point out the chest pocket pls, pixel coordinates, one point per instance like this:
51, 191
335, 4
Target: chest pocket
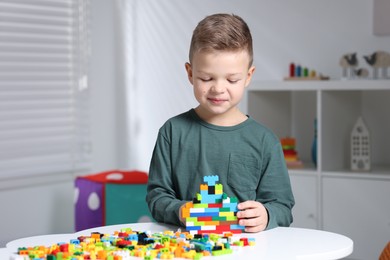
244, 172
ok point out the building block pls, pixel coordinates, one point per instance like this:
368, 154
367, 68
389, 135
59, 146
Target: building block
111, 197
211, 211
290, 154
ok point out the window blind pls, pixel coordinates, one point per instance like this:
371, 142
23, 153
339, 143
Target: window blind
44, 122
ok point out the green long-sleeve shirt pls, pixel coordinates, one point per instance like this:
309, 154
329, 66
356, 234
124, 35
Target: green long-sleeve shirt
247, 157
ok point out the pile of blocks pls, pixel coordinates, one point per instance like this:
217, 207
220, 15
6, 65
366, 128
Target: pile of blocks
127, 244
211, 211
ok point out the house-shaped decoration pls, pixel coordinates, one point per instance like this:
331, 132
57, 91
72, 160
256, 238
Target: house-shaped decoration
360, 147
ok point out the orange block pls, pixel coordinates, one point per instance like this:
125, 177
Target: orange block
204, 187
288, 141
211, 223
102, 254
185, 211
95, 236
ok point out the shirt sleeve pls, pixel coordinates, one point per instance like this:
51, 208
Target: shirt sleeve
274, 191
161, 196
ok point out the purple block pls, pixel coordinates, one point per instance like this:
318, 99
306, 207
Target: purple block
89, 206
99, 197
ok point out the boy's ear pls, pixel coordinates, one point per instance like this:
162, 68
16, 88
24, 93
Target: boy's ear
189, 72
250, 74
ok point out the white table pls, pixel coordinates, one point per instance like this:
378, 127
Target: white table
274, 244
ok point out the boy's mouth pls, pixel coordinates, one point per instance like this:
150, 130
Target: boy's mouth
216, 100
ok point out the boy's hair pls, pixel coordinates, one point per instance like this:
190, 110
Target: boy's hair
222, 32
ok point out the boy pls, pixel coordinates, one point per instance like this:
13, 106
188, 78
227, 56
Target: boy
216, 138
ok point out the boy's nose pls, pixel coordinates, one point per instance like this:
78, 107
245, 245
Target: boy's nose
218, 87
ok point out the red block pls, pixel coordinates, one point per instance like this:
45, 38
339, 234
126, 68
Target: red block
205, 218
215, 205
245, 240
64, 248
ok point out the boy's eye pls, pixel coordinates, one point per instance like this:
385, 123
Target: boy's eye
205, 79
233, 81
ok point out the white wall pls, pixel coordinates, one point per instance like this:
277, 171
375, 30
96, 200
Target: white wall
312, 32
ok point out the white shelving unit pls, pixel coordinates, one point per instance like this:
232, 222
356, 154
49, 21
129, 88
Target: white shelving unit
329, 195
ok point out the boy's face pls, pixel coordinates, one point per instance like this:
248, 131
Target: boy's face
219, 79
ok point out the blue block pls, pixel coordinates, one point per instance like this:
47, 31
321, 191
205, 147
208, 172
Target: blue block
193, 228
231, 206
211, 179
235, 227
211, 210
206, 214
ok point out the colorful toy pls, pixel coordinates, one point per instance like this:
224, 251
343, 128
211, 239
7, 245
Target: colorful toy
112, 197
290, 154
127, 243
296, 72
211, 211
360, 147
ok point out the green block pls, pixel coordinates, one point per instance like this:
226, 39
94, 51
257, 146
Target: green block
224, 210
233, 200
231, 218
201, 205
125, 203
222, 252
219, 218
218, 187
165, 239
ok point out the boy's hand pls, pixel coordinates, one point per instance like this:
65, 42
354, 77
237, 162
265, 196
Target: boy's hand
182, 220
253, 215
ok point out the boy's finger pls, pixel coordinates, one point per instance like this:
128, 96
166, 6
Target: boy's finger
247, 204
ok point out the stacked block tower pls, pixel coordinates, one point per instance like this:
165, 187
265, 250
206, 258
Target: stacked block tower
290, 154
211, 211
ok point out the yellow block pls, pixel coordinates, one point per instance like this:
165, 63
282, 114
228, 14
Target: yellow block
226, 214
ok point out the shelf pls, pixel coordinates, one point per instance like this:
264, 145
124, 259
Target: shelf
304, 171
331, 196
320, 85
289, 108
339, 113
377, 173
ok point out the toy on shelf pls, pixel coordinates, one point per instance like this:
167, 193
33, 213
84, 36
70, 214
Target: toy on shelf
361, 73
379, 60
290, 154
349, 63
360, 147
127, 244
211, 211
297, 72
